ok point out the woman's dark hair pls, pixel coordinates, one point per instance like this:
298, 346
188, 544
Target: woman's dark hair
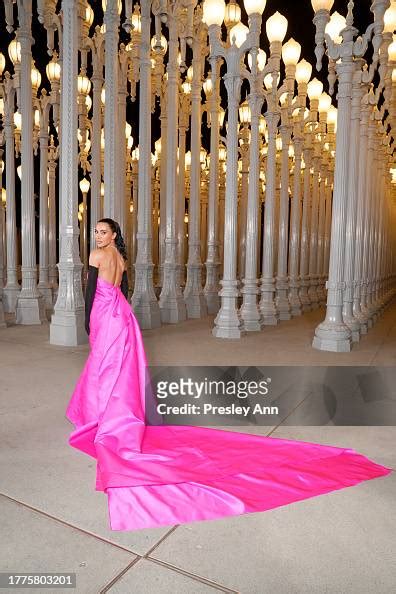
119, 240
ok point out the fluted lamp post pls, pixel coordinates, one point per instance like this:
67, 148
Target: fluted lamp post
84, 187
242, 39
333, 334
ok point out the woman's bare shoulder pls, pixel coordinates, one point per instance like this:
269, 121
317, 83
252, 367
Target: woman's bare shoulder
96, 258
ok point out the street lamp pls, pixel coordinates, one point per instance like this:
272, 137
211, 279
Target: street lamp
333, 334
228, 322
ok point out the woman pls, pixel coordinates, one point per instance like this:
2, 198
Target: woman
156, 475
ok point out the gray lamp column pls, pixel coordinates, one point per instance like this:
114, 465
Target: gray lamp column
67, 323
143, 300
30, 307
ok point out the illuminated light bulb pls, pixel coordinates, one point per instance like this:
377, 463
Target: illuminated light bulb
238, 34
232, 14
268, 81
136, 21
291, 52
213, 12
187, 160
84, 185
2, 63
276, 27
314, 89
88, 103
261, 60
190, 74
89, 15
3, 195
322, 5
35, 77
222, 153
103, 96
245, 115
53, 71
221, 117
334, 27
14, 51
392, 50
128, 130
390, 18
83, 84
332, 115
162, 46
19, 172
324, 103
135, 154
283, 98
37, 118
18, 121
207, 86
303, 72
254, 6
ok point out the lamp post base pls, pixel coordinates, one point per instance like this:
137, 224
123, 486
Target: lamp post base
332, 336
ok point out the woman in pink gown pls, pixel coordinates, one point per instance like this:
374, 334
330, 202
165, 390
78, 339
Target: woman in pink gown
163, 475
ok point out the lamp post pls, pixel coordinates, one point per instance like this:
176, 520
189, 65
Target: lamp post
193, 293
84, 187
276, 28
333, 334
290, 54
143, 299
249, 311
303, 74
227, 322
12, 288
212, 263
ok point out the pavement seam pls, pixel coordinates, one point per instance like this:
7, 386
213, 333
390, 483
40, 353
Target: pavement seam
70, 525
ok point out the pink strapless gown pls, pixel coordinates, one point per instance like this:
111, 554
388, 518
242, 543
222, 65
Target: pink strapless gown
164, 475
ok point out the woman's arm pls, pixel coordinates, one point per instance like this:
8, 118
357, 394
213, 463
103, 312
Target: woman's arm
124, 284
93, 270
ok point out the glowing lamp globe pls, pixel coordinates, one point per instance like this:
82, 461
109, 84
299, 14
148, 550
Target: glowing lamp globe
332, 115
136, 21
314, 89
245, 115
392, 50
84, 185
238, 34
303, 72
83, 84
207, 86
161, 45
334, 27
35, 77
53, 71
324, 103
18, 121
14, 51
390, 18
261, 60
291, 52
89, 15
232, 14
254, 6
322, 5
213, 12
276, 27
2, 63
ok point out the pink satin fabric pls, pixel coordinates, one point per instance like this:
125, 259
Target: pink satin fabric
164, 475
